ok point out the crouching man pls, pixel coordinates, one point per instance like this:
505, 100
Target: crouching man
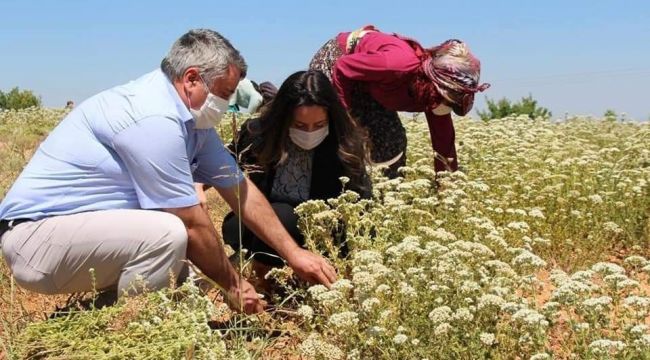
111, 188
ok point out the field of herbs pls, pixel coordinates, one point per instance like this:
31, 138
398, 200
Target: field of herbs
538, 249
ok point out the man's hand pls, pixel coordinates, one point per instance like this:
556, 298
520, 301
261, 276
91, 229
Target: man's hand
205, 250
311, 267
259, 217
244, 298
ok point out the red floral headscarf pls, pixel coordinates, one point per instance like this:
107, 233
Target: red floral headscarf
455, 74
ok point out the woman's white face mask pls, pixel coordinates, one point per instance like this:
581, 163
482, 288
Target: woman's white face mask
211, 112
442, 109
308, 140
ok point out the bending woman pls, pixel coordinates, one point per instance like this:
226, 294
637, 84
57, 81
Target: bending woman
378, 74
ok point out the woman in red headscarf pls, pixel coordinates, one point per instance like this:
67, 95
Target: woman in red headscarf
377, 74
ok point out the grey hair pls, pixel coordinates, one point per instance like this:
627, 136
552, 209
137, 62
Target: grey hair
205, 49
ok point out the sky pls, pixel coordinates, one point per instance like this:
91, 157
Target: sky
576, 57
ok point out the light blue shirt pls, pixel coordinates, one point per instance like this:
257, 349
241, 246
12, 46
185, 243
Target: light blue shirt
130, 147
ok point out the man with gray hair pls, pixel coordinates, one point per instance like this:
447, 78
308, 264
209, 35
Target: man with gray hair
112, 186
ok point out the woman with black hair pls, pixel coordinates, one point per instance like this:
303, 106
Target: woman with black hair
298, 149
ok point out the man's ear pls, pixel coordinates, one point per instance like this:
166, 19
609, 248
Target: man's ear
191, 77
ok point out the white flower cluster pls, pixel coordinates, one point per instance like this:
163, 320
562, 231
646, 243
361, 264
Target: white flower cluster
306, 312
315, 347
471, 253
346, 319
606, 347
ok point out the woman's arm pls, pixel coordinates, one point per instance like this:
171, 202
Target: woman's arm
257, 214
443, 137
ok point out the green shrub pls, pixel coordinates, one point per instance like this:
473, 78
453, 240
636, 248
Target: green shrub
504, 107
17, 99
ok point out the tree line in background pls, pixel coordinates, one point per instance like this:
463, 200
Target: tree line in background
16, 99
497, 109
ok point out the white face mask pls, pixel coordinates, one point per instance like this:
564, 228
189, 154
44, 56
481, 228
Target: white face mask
442, 109
211, 112
308, 140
